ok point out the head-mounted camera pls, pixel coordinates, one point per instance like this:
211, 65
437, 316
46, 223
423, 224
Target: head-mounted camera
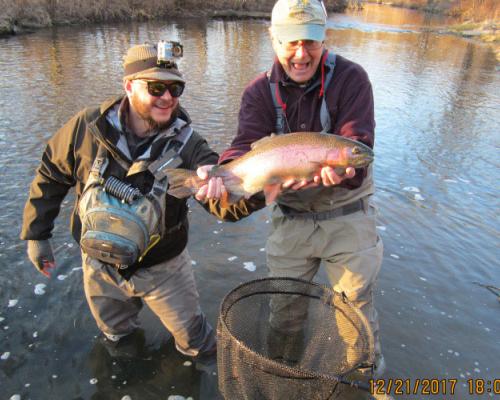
168, 53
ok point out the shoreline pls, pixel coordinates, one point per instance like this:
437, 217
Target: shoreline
26, 26
487, 32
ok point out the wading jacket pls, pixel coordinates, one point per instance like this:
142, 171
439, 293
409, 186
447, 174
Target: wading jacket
349, 100
66, 163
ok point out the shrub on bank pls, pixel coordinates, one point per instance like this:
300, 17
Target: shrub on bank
19, 14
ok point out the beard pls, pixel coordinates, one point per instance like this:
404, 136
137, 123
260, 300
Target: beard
143, 110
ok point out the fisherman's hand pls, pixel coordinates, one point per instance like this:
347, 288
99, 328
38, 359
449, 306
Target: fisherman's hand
213, 189
328, 176
295, 184
41, 255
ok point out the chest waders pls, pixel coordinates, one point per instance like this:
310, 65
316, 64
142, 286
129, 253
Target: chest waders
120, 224
326, 124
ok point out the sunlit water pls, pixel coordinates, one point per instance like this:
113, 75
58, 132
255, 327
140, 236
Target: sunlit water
437, 140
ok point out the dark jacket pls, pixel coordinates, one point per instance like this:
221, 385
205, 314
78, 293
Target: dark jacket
67, 160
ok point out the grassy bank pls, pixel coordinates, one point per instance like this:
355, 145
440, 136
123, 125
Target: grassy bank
21, 15
476, 19
464, 10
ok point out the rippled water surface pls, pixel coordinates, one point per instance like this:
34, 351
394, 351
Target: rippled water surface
437, 144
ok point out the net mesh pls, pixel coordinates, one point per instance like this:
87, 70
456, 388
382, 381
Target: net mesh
284, 338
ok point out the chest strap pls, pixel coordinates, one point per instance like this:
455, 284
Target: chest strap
280, 106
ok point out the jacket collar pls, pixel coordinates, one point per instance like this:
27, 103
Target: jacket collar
115, 138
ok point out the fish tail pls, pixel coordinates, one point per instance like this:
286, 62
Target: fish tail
232, 183
183, 182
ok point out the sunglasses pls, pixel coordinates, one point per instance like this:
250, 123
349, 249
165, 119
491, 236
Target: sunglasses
307, 44
158, 88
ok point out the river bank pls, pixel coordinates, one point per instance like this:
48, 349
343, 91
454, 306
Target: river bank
44, 13
9, 27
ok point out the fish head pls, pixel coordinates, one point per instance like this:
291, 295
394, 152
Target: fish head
350, 154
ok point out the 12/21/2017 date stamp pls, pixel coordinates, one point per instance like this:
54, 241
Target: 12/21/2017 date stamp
432, 386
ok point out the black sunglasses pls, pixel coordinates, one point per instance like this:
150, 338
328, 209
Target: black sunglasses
158, 88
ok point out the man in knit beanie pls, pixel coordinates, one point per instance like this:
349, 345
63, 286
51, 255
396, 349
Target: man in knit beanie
132, 234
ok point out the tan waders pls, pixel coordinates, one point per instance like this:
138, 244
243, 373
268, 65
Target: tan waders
351, 251
168, 289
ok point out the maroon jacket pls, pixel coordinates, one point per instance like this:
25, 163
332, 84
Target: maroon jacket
349, 99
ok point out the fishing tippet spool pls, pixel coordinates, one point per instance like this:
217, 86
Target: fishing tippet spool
121, 190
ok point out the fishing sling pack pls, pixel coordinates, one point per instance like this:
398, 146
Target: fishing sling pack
120, 224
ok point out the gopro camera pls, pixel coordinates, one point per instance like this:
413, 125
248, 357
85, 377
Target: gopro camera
168, 52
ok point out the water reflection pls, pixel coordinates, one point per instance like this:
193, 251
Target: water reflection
436, 171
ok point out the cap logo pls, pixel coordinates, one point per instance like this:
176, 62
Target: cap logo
301, 10
301, 15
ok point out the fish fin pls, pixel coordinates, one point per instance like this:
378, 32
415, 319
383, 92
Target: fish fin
224, 200
182, 182
317, 164
257, 143
227, 199
271, 191
233, 198
340, 171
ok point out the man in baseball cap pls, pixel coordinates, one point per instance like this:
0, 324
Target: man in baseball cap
319, 221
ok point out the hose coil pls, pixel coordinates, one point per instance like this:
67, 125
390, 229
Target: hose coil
121, 190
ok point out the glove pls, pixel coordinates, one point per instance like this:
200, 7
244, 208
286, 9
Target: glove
41, 255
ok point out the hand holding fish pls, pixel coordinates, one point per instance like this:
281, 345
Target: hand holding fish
213, 189
326, 176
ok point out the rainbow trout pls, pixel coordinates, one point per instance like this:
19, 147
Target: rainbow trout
274, 160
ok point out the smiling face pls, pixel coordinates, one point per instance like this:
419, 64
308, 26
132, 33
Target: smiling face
147, 111
300, 59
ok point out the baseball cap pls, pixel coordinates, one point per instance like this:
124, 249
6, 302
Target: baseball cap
293, 20
140, 62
